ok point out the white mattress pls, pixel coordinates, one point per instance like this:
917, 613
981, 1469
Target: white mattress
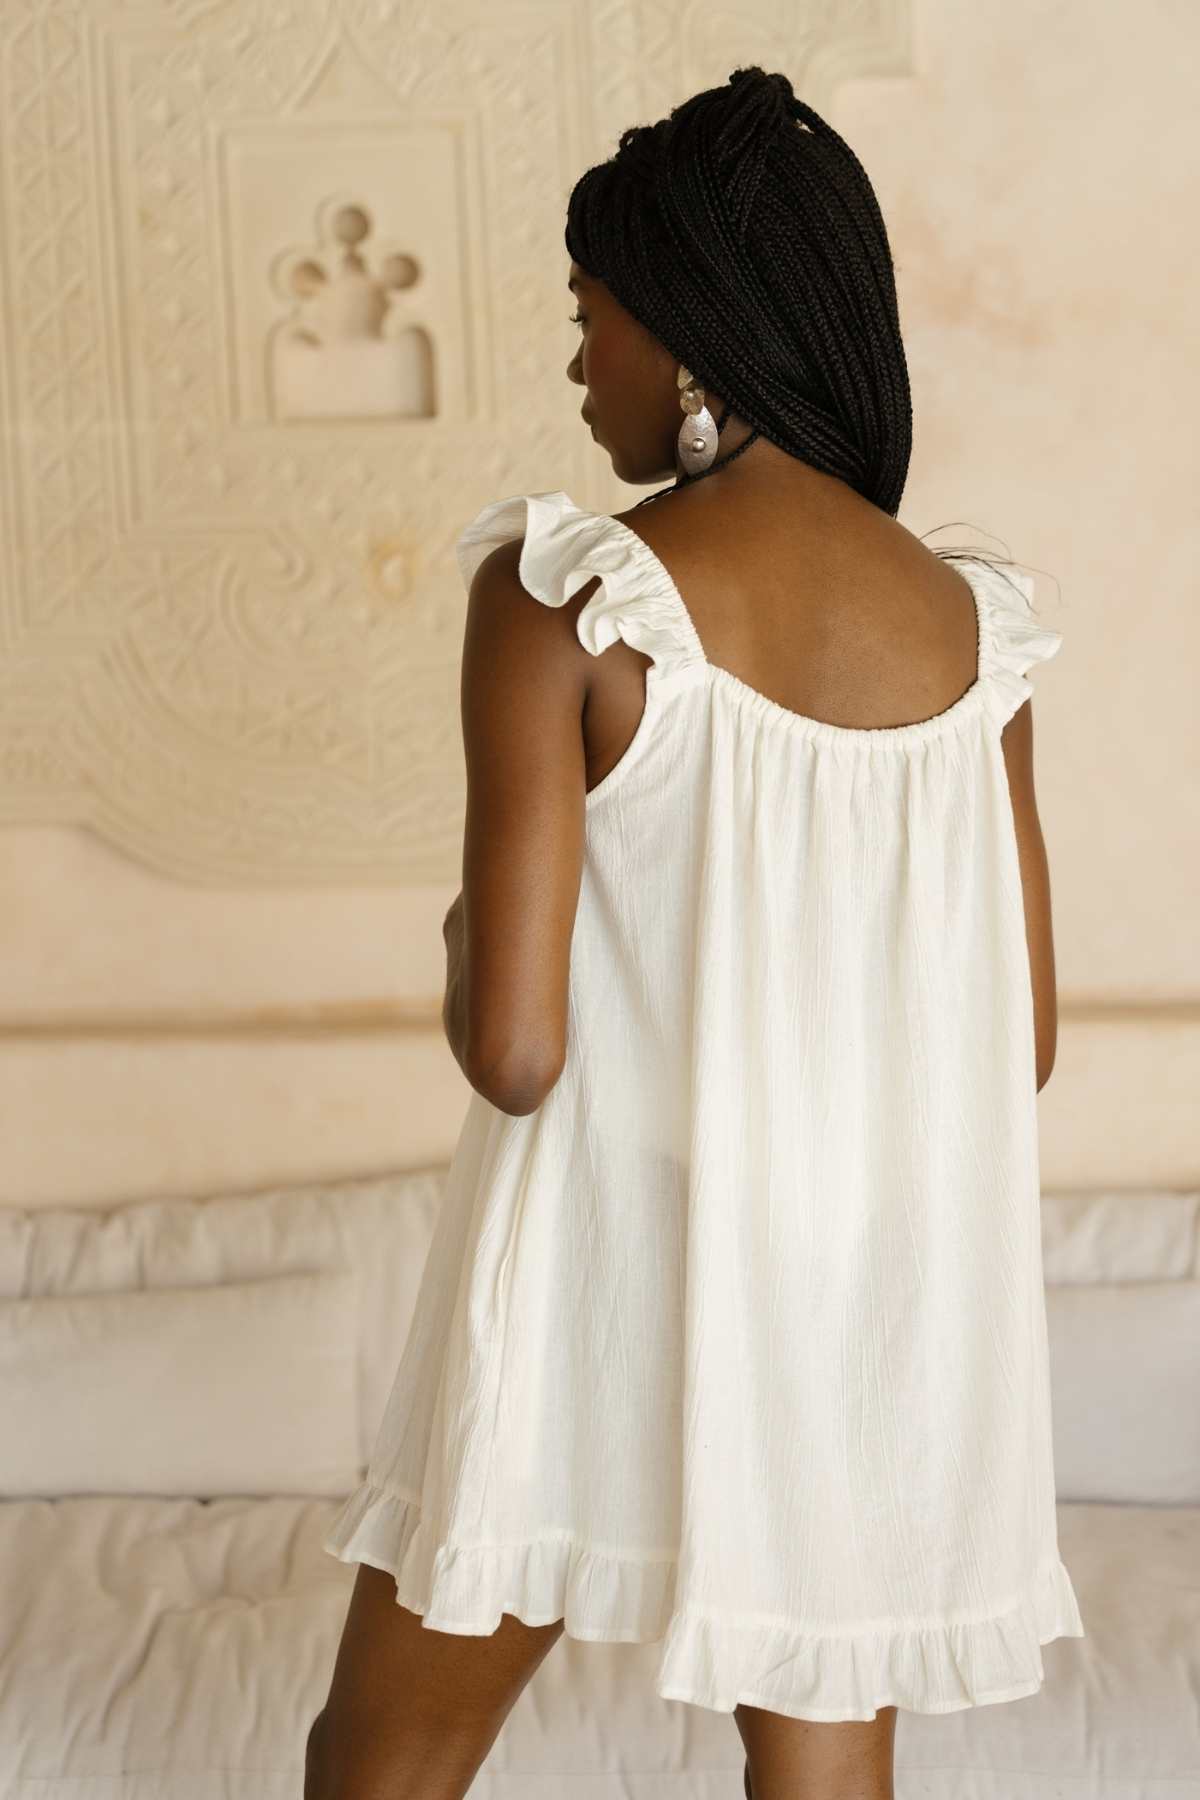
175, 1648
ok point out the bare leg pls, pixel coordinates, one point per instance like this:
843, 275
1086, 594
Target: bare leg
804, 1759
412, 1712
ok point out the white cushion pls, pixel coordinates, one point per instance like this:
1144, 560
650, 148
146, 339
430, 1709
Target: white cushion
1137, 1234
379, 1227
1125, 1391
244, 1388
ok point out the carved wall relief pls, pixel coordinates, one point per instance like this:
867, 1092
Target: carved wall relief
282, 306
346, 349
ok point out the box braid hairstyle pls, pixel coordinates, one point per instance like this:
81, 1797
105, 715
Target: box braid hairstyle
744, 234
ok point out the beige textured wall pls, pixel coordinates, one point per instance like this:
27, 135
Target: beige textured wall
231, 973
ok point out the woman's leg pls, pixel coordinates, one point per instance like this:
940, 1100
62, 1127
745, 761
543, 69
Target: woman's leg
804, 1759
412, 1712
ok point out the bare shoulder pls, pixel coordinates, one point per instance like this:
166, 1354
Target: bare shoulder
500, 604
852, 542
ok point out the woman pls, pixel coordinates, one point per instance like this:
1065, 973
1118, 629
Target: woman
732, 1331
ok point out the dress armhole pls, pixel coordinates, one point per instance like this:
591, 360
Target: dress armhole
1012, 639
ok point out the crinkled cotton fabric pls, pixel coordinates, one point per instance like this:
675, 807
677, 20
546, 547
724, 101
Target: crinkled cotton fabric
738, 1342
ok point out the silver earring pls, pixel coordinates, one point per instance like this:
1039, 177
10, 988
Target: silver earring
697, 440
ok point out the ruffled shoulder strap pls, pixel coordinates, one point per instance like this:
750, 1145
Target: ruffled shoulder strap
564, 547
1011, 639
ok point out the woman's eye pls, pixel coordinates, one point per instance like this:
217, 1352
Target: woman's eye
577, 319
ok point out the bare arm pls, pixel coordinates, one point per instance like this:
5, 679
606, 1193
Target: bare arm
508, 936
1017, 741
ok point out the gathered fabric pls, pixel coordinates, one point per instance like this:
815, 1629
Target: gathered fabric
738, 1342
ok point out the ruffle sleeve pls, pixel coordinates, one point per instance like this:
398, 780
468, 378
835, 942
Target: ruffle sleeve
564, 547
1012, 639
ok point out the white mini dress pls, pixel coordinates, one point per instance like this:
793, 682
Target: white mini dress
737, 1344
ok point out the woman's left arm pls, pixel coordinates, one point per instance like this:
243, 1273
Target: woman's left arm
452, 1007
508, 934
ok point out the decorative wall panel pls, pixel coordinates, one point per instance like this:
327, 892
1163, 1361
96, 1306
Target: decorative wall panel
282, 305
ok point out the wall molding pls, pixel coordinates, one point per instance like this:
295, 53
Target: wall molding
367, 1018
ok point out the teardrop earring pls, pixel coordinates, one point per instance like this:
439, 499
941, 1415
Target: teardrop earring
697, 440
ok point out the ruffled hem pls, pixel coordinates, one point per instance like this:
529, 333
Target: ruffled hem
714, 1660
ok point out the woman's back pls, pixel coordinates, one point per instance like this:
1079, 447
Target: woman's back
811, 595
750, 1348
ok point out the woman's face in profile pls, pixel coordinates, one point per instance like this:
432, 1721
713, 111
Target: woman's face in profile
631, 402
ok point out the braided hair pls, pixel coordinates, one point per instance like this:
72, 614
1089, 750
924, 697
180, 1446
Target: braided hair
743, 233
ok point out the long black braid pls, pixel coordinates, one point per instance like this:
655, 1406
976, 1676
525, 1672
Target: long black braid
744, 233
